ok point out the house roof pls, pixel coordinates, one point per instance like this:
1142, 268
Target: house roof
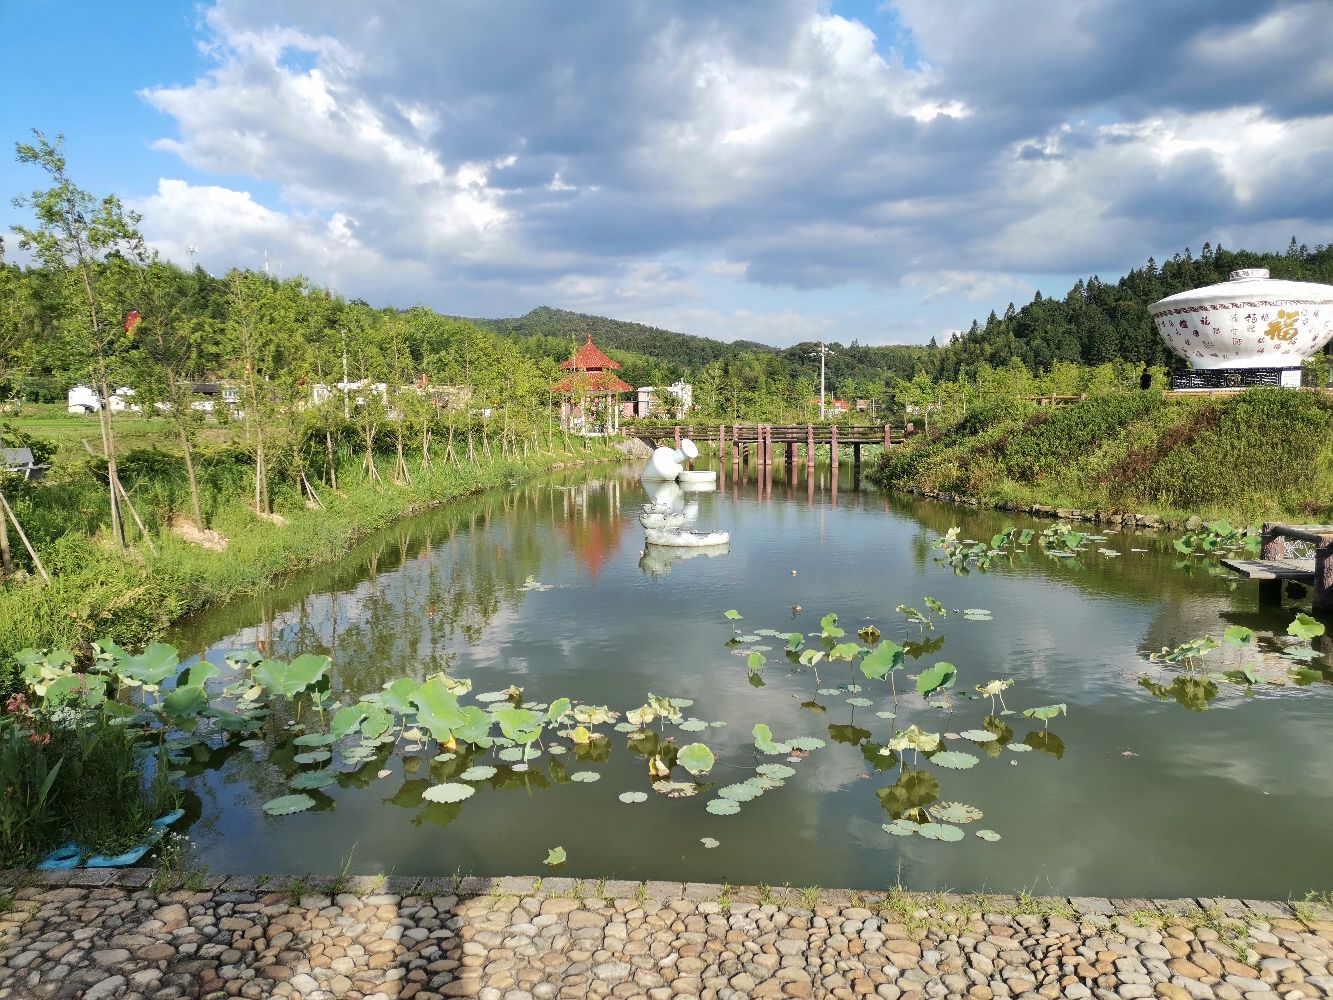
592, 381
590, 359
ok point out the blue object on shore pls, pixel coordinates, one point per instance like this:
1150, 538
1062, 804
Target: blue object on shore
169, 818
61, 858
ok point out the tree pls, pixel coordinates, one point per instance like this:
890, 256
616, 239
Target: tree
91, 243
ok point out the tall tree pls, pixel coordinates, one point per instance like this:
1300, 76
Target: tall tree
92, 243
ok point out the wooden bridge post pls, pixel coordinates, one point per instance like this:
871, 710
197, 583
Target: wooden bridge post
888, 436
810, 446
856, 460
735, 444
1323, 576
833, 447
1274, 548
678, 437
790, 447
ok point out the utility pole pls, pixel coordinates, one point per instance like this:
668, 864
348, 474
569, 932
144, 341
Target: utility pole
822, 351
347, 414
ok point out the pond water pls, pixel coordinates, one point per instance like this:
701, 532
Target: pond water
546, 586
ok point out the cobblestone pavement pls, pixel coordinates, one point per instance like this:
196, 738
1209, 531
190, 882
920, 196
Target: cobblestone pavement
98, 935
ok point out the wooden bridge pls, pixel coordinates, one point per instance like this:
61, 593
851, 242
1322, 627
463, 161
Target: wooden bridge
1274, 566
759, 439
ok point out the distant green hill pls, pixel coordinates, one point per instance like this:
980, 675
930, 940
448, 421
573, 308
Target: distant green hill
683, 350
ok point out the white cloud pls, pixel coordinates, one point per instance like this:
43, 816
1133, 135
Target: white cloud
488, 160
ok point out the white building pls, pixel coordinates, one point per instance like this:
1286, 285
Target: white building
676, 398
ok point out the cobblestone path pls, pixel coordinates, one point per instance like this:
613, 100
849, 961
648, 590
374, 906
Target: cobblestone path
513, 939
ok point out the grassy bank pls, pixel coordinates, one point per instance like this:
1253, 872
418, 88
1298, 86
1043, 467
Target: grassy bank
133, 596
1261, 454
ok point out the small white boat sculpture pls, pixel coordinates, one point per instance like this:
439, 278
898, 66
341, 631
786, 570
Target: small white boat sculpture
669, 519
677, 538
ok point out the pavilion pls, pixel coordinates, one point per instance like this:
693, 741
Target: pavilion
589, 404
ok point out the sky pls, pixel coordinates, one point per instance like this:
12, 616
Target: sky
770, 170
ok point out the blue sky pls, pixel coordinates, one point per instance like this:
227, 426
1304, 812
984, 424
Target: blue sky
778, 171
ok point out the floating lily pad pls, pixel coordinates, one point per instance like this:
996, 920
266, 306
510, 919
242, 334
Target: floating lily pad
723, 807
313, 740
901, 828
693, 726
585, 776
954, 760
940, 831
860, 702
489, 696
1018, 747
556, 749
285, 805
978, 735
955, 812
312, 757
886, 715
740, 792
449, 791
518, 768
445, 757
555, 856
625, 727
988, 835
313, 779
806, 743
252, 743
478, 773
829, 692
676, 789
629, 798
775, 771
709, 842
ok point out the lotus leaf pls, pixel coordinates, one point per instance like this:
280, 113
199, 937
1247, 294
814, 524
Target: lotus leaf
860, 702
676, 789
709, 842
882, 660
954, 760
397, 696
555, 856
313, 779
287, 680
732, 616
1018, 747
829, 626
519, 724
756, 661
901, 828
988, 835
1045, 712
1305, 627
487, 697
941, 675
696, 758
940, 831
479, 772
978, 735
285, 805
811, 657
794, 641
693, 726
312, 757
886, 715
763, 740
740, 792
913, 738
630, 798
449, 791
512, 755
557, 711
555, 748
723, 807
313, 740
585, 776
377, 722
775, 771
150, 668
936, 607
955, 812
806, 744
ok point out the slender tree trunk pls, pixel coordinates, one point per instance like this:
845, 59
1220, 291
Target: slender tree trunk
6, 560
328, 458
188, 451
109, 453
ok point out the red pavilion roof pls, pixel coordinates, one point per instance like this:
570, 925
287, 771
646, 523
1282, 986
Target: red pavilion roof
590, 359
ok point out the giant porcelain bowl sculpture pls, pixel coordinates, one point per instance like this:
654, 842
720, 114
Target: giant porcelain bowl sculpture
1251, 321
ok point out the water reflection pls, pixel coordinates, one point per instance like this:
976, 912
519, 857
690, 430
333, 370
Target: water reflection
548, 585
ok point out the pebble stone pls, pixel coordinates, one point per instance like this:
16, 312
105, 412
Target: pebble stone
372, 943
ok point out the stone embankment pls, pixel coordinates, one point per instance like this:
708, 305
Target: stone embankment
99, 935
1118, 518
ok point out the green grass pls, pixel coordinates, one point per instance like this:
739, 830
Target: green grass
134, 596
1262, 454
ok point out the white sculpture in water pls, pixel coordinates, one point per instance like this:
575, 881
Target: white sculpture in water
669, 464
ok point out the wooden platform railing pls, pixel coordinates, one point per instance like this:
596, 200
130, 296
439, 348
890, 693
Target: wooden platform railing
1274, 567
743, 440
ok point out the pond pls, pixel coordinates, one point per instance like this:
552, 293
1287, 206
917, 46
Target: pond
1174, 787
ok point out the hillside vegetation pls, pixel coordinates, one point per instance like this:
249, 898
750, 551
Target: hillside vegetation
1262, 454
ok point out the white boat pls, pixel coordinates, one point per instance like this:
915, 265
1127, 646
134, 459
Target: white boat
685, 539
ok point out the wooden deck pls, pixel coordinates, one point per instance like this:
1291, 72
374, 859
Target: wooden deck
1272, 569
